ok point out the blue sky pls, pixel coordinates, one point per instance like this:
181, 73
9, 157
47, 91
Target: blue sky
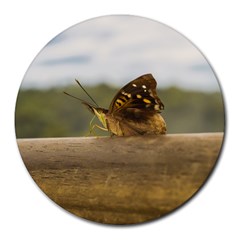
117, 49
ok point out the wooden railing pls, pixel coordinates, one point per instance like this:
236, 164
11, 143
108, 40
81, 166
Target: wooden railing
121, 180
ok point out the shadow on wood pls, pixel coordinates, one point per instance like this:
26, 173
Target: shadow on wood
121, 180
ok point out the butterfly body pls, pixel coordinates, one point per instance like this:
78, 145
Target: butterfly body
151, 124
135, 110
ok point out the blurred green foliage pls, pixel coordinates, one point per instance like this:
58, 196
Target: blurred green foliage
50, 113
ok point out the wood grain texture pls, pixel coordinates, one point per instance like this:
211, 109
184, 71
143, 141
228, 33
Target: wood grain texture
121, 180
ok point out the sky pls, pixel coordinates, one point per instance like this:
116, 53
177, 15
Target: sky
117, 49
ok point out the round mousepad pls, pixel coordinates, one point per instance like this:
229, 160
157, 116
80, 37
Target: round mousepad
120, 119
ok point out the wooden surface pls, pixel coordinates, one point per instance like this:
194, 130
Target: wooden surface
121, 180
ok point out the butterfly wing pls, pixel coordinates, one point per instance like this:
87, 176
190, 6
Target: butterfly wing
138, 94
134, 121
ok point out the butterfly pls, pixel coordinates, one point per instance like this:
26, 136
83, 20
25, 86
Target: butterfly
135, 110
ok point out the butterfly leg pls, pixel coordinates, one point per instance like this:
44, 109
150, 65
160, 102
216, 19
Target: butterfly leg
95, 125
92, 127
112, 135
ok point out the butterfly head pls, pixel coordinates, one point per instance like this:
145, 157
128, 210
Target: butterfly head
99, 112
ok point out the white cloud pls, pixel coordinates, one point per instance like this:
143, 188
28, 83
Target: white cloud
118, 49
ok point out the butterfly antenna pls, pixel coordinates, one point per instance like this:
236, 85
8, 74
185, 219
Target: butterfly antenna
86, 92
73, 96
